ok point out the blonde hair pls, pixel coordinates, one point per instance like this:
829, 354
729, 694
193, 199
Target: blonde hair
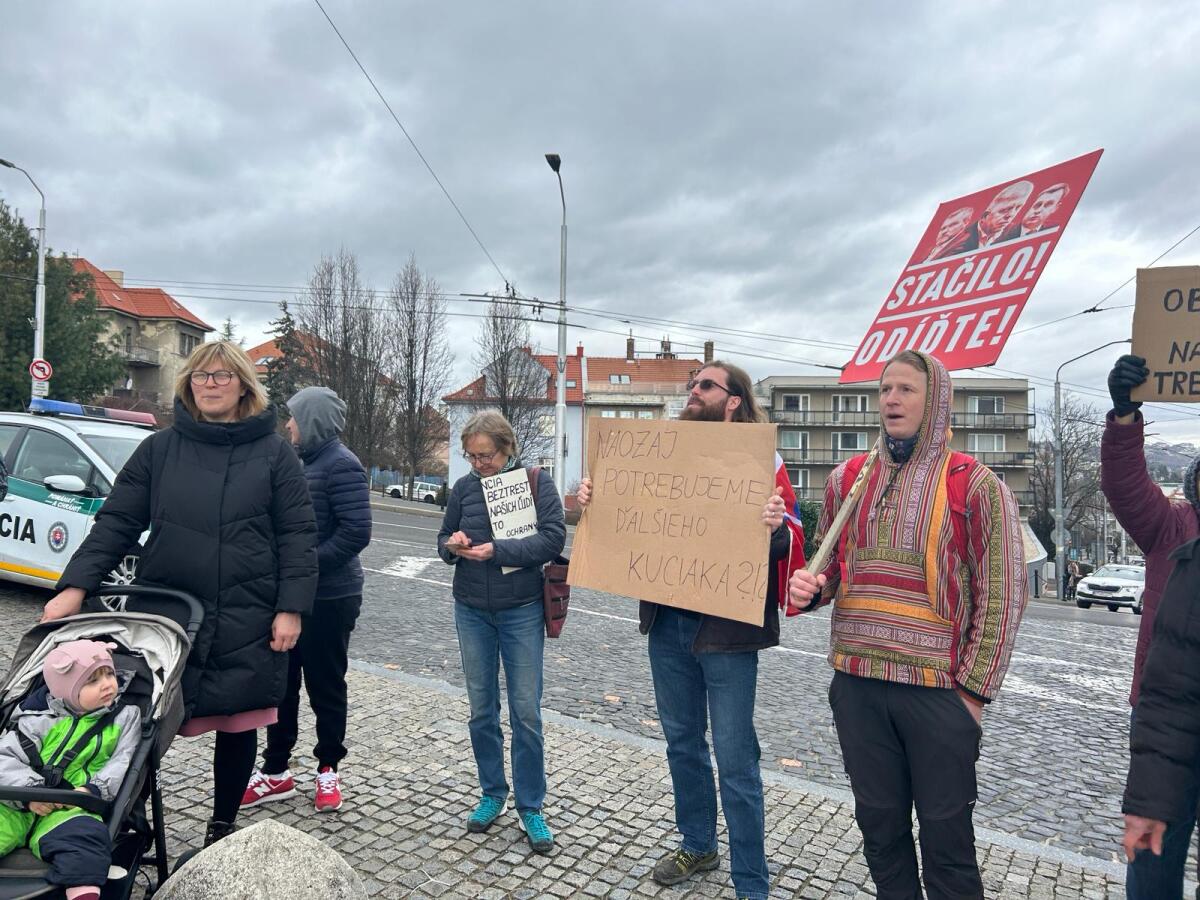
229, 356
491, 423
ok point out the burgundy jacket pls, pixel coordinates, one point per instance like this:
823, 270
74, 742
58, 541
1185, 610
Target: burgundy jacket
1156, 524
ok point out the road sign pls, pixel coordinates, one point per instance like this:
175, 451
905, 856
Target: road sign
41, 370
40, 388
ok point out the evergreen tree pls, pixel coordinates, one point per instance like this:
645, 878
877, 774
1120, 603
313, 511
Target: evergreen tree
289, 371
86, 363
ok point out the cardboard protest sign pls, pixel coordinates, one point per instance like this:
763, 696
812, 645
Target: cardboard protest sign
511, 509
676, 514
1166, 331
973, 270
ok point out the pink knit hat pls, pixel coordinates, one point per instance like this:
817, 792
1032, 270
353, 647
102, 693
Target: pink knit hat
68, 667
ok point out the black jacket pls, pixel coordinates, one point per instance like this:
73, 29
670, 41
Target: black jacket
481, 584
341, 501
717, 635
230, 522
1165, 744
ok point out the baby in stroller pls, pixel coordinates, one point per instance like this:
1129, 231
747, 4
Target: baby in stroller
73, 733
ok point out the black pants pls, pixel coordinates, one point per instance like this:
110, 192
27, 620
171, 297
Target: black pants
320, 657
903, 745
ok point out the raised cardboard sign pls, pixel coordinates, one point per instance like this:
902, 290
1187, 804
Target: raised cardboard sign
510, 505
676, 514
1166, 331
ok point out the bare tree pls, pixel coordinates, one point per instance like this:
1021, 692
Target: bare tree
422, 362
515, 383
350, 350
1081, 431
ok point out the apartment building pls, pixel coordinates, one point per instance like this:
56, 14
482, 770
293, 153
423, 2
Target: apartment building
823, 423
155, 334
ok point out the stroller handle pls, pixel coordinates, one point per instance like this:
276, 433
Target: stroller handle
195, 609
67, 797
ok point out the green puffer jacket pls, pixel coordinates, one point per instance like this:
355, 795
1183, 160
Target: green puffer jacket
101, 764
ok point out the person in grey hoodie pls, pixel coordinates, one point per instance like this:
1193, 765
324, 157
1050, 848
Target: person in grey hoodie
340, 494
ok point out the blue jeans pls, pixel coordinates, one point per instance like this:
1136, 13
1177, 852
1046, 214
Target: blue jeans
1151, 877
691, 688
517, 637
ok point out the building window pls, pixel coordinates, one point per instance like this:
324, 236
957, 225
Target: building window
618, 379
800, 480
645, 414
608, 413
626, 414
850, 440
791, 439
795, 402
546, 425
990, 406
570, 383
675, 407
187, 343
985, 443
848, 403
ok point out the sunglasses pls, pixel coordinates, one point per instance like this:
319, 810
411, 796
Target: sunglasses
706, 384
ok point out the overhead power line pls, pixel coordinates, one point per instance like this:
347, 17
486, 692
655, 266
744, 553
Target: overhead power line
416, 149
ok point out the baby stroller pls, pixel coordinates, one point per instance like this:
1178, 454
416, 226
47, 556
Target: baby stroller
153, 629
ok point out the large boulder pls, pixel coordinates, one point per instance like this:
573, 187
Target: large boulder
264, 861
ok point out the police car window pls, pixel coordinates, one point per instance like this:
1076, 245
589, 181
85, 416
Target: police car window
7, 434
43, 454
114, 449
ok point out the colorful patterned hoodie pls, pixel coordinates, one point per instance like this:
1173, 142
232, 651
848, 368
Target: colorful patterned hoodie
909, 608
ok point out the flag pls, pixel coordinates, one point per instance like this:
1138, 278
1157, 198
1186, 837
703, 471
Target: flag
791, 520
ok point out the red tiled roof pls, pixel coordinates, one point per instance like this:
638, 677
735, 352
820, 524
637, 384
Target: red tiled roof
657, 370
270, 350
141, 303
598, 369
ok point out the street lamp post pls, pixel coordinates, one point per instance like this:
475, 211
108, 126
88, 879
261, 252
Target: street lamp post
1060, 530
560, 401
39, 301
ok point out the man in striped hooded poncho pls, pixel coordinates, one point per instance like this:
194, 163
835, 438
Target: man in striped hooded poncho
928, 585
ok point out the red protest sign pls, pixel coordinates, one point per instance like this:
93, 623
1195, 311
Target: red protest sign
973, 270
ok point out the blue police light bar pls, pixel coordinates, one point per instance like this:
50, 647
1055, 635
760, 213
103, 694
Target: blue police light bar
43, 407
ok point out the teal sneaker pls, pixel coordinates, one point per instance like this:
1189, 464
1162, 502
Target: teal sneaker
680, 864
533, 823
487, 812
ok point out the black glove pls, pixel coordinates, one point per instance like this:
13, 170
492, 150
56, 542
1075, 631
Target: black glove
1128, 373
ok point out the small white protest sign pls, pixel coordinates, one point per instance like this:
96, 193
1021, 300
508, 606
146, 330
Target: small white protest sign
510, 506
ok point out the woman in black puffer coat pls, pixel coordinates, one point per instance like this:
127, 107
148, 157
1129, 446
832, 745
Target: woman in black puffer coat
498, 616
230, 521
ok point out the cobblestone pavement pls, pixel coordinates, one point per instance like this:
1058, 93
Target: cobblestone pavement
1053, 765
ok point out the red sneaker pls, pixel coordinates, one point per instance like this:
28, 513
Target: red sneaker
329, 790
265, 788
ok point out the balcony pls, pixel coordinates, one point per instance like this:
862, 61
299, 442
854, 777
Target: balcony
825, 457
825, 417
1004, 459
992, 421
657, 388
137, 355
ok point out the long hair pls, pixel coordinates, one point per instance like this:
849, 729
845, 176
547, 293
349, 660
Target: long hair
229, 356
739, 386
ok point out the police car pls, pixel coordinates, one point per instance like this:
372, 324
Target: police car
62, 460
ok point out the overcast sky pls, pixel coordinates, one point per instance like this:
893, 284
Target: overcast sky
767, 167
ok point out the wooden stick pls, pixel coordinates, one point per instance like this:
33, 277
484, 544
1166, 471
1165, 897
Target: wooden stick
821, 558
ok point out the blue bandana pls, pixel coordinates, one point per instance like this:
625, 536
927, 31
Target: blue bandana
901, 449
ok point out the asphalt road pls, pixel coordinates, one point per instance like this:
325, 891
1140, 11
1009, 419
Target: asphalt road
1055, 743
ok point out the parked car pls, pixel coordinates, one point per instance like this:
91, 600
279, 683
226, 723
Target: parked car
1114, 586
423, 491
62, 460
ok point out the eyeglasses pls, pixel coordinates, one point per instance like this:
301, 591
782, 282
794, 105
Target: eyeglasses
220, 378
480, 458
707, 384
